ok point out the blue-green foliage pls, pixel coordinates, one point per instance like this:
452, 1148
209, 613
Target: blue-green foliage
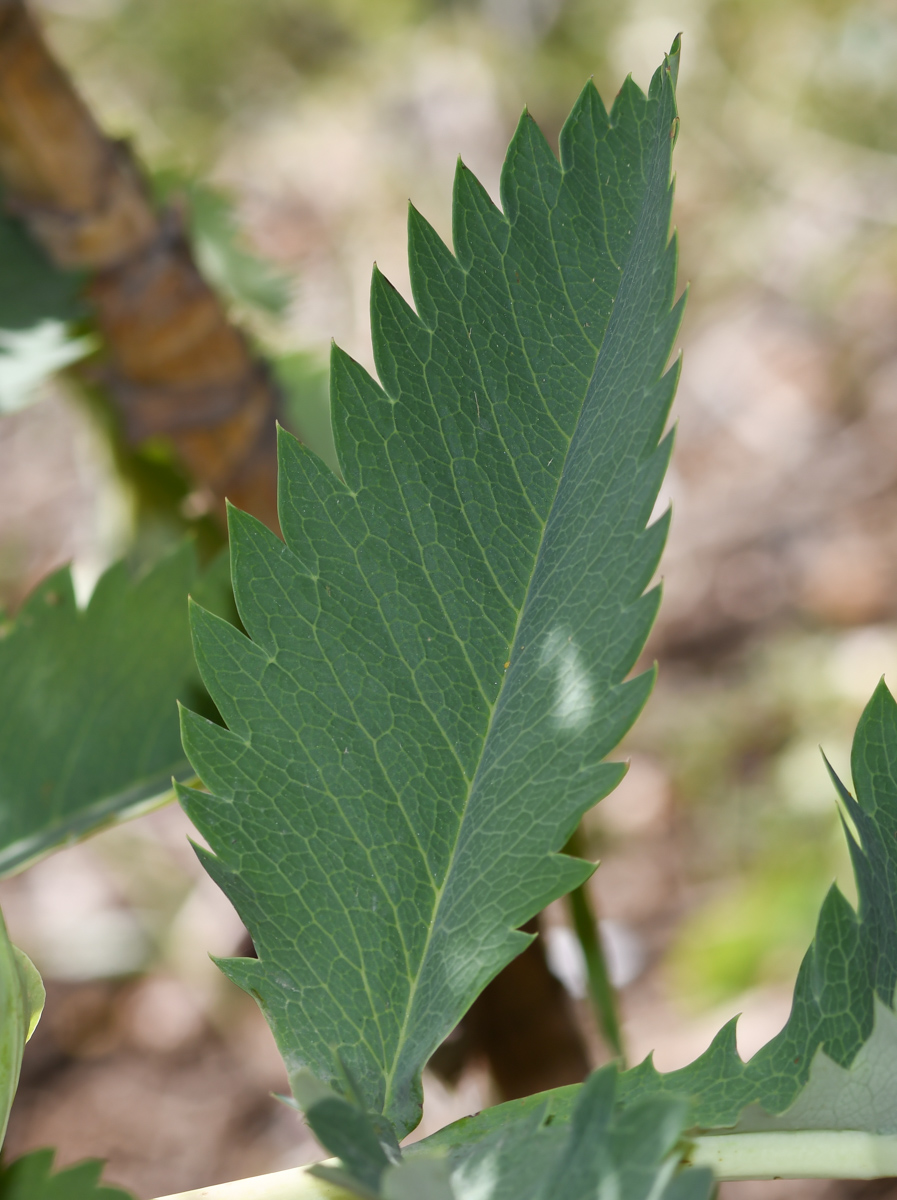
846, 985
436, 652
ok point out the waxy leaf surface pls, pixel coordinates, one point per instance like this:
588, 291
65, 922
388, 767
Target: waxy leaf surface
437, 652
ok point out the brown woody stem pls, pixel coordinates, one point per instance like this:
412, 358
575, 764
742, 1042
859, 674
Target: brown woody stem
177, 367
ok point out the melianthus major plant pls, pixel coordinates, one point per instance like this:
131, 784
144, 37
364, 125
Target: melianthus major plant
432, 667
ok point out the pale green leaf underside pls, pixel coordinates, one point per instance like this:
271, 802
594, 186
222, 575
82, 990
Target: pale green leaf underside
88, 714
834, 1065
629, 1155
434, 666
846, 983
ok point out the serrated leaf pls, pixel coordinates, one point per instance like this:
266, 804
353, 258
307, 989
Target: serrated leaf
347, 1131
31, 1177
21, 1003
435, 662
834, 1065
849, 971
304, 385
630, 1155
88, 716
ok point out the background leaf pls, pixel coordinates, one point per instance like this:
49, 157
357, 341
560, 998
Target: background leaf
38, 301
32, 288
222, 255
88, 718
631, 1155
31, 1178
833, 1065
437, 654
849, 972
21, 1003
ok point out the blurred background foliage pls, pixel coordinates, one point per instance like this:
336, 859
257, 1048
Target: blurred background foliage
319, 120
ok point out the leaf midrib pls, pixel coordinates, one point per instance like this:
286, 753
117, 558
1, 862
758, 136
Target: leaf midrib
415, 982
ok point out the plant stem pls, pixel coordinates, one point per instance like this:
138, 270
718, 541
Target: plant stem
795, 1154
601, 990
798, 1154
294, 1184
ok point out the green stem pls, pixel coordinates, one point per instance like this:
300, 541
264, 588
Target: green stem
795, 1154
294, 1184
601, 990
798, 1154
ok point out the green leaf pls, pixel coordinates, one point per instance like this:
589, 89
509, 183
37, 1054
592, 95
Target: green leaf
435, 665
32, 989
845, 988
631, 1155
347, 1131
31, 1178
32, 288
225, 261
21, 1003
305, 386
418, 1179
38, 301
88, 720
833, 1065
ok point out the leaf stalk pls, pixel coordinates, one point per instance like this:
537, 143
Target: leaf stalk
601, 991
797, 1154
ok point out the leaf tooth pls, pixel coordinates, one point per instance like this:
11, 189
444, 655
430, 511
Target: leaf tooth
402, 344
215, 754
271, 584
634, 624
837, 937
214, 638
869, 760
529, 155
480, 231
629, 106
643, 483
432, 264
667, 73
658, 401
246, 973
586, 126
358, 402
616, 713
305, 487
557, 875
56, 592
